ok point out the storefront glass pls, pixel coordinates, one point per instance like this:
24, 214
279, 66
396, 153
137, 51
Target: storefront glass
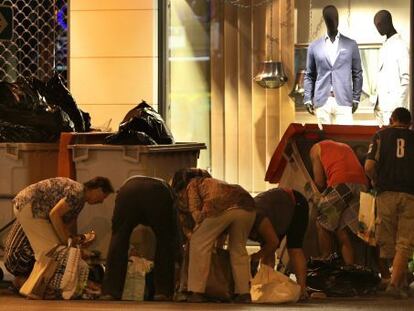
188, 107
356, 21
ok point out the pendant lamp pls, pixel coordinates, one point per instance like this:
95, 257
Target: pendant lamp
271, 74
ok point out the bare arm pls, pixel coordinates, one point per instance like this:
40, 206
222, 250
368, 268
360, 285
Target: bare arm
271, 243
373, 157
370, 169
317, 168
56, 218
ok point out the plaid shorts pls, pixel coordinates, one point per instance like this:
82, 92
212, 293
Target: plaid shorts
338, 207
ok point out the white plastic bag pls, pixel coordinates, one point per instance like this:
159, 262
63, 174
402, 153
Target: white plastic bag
70, 276
134, 287
367, 218
269, 286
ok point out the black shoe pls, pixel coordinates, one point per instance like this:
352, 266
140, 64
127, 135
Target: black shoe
242, 298
161, 297
196, 298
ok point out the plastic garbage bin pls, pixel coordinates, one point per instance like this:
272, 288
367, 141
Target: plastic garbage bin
22, 164
118, 163
290, 166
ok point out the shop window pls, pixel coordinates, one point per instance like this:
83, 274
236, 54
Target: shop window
188, 108
356, 20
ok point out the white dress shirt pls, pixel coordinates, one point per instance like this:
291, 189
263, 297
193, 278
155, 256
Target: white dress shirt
332, 48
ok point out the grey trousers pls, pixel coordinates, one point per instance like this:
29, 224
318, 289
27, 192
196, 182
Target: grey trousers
238, 222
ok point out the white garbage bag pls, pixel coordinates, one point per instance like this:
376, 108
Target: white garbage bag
270, 286
134, 287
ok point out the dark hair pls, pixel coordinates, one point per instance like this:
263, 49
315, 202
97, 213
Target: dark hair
183, 176
401, 115
100, 182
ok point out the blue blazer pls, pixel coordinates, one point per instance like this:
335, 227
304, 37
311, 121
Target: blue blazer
345, 75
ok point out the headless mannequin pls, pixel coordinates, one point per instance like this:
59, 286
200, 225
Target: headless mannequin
331, 18
383, 22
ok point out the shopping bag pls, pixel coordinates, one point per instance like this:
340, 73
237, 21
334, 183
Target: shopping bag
366, 218
134, 288
38, 280
270, 286
220, 284
70, 277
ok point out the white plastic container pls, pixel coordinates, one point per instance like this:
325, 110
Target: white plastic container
6, 215
118, 162
22, 164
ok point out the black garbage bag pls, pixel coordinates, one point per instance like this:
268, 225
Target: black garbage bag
18, 133
23, 95
337, 280
86, 120
57, 94
21, 103
143, 118
128, 137
96, 273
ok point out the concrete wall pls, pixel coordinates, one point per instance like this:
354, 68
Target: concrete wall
113, 56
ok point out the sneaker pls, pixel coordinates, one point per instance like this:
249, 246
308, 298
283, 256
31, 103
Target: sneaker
242, 298
196, 298
396, 292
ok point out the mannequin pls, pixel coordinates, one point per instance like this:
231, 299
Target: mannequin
383, 22
331, 18
329, 61
393, 76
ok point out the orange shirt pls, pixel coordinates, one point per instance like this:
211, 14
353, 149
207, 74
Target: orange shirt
341, 164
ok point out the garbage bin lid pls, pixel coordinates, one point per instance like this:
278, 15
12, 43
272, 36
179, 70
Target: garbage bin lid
344, 132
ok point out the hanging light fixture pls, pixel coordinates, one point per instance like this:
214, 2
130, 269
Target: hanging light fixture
271, 74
